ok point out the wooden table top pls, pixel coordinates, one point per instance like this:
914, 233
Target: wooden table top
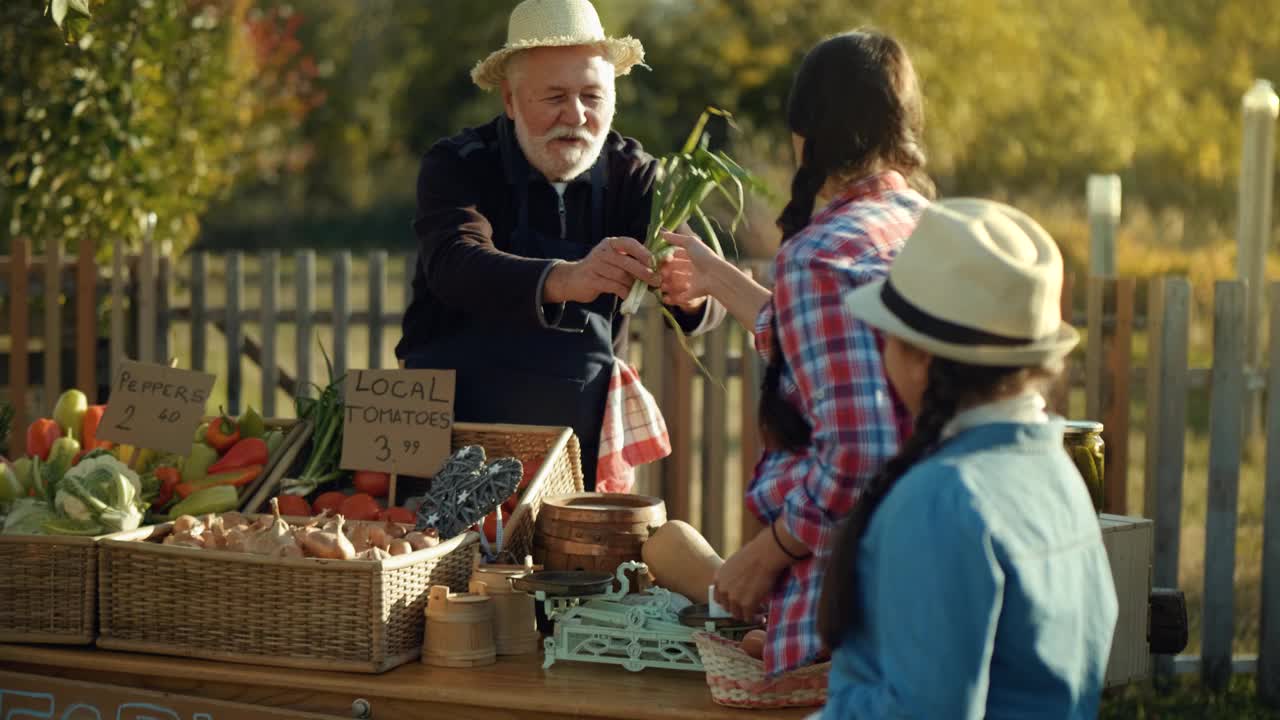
513, 687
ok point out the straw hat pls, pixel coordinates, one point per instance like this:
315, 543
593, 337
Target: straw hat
556, 23
977, 282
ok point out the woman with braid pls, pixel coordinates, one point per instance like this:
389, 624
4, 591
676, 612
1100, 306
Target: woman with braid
828, 417
970, 580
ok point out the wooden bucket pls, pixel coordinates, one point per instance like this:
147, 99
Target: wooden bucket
459, 628
596, 531
515, 630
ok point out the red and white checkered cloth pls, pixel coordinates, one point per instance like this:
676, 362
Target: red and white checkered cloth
634, 432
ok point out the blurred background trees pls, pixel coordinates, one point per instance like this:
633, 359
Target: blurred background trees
263, 122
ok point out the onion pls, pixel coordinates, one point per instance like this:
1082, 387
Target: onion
422, 541
399, 547
330, 545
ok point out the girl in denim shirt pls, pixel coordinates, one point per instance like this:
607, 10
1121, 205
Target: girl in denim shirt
970, 580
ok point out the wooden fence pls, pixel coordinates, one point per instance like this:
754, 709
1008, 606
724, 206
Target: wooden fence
704, 479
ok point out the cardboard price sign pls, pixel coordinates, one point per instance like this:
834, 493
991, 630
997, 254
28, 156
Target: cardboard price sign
398, 421
155, 407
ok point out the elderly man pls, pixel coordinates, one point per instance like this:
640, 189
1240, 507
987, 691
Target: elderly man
526, 230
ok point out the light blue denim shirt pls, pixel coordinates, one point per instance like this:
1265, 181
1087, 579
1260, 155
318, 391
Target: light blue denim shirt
985, 587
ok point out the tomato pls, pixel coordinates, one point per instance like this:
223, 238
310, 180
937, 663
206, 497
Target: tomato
330, 501
360, 506
530, 472
399, 515
294, 505
372, 483
491, 525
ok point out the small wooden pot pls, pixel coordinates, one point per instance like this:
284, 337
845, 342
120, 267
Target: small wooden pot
515, 627
459, 628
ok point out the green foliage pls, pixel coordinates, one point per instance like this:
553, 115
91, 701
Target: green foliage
148, 106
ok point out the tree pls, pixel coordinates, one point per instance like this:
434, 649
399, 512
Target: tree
145, 107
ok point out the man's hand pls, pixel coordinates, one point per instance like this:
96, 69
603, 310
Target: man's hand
611, 268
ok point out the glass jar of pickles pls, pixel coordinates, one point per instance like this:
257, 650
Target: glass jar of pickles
1083, 440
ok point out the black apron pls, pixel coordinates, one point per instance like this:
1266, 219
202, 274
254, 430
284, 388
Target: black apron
540, 376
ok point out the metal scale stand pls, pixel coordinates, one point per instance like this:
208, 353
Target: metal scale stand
644, 632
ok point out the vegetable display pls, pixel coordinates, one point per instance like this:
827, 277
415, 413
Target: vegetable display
63, 445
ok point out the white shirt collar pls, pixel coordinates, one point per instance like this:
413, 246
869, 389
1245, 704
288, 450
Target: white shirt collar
1026, 408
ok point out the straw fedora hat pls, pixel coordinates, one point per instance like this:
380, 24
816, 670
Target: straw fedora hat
556, 23
978, 282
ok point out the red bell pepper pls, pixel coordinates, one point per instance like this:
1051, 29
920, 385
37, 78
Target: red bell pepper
249, 451
169, 478
222, 434
89, 429
40, 437
235, 478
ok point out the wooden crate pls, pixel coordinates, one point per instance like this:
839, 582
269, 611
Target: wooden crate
1129, 542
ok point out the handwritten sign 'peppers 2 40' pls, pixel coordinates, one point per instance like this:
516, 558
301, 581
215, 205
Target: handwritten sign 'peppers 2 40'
398, 421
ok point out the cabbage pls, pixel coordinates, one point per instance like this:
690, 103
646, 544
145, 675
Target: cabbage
27, 516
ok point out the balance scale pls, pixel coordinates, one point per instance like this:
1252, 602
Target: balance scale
596, 623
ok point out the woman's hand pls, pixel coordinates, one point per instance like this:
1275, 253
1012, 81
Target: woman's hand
747, 577
686, 274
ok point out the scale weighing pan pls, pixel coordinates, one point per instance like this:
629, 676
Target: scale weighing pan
565, 583
699, 615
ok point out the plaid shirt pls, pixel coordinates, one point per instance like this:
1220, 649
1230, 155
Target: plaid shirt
834, 375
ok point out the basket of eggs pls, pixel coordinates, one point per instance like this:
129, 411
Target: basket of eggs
736, 676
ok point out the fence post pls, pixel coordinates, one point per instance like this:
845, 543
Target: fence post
1095, 312
199, 312
87, 319
304, 306
1061, 392
677, 406
750, 433
716, 498
53, 320
1268, 675
1166, 431
147, 298
341, 310
235, 340
652, 368
19, 262
1115, 405
270, 288
164, 277
1225, 447
117, 342
377, 290
1260, 107
410, 267
1103, 198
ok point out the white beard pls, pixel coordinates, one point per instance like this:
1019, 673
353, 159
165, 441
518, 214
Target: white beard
560, 163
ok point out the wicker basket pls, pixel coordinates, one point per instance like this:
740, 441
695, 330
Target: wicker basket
738, 680
561, 472
344, 615
50, 590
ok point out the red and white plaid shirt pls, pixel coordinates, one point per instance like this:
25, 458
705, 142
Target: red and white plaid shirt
634, 432
835, 377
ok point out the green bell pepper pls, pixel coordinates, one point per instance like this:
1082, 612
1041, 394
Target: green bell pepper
196, 465
216, 499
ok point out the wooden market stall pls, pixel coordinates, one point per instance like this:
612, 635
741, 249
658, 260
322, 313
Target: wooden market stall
513, 688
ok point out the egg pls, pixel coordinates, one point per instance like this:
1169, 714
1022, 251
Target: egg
753, 644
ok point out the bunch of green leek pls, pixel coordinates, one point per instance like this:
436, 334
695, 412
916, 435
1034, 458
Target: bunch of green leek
684, 182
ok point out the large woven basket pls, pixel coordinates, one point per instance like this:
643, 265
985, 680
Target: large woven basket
344, 615
555, 448
738, 680
50, 589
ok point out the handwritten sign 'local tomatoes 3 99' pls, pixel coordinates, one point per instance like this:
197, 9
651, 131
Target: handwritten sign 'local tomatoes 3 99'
398, 421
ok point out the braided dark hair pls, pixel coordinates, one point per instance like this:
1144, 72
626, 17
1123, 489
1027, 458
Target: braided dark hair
951, 386
857, 104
